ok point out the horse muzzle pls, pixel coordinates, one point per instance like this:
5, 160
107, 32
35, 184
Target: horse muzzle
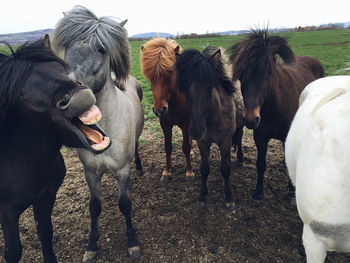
252, 119
77, 102
252, 123
160, 112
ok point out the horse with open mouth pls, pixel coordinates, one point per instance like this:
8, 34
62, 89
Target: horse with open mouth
41, 108
93, 49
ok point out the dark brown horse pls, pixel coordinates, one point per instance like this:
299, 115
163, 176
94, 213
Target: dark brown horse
270, 89
210, 94
158, 58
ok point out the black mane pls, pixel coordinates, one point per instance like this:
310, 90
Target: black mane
256, 54
193, 66
16, 68
224, 80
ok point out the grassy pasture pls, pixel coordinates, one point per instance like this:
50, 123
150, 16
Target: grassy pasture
331, 47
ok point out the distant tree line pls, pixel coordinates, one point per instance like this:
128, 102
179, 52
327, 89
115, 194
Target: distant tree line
330, 26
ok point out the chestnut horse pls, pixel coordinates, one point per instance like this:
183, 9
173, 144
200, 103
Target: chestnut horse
158, 57
270, 89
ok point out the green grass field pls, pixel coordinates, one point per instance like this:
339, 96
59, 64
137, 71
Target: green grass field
331, 47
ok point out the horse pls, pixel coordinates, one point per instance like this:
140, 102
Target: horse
270, 89
212, 111
94, 48
158, 57
41, 109
319, 167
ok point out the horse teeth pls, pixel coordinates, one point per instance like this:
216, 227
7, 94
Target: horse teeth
95, 120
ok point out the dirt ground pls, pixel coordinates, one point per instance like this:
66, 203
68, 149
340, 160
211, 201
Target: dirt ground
169, 227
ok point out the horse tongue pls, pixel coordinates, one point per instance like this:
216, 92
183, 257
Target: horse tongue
91, 116
91, 134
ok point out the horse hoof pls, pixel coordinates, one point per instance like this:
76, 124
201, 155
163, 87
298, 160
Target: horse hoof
292, 201
90, 256
134, 252
201, 204
239, 164
301, 251
257, 197
190, 178
139, 173
165, 178
230, 206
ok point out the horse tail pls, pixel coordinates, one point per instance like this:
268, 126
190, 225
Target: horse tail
279, 45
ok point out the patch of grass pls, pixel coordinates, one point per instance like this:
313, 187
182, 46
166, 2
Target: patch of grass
331, 47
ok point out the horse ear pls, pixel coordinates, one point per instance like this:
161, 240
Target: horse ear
64, 13
122, 24
46, 41
177, 49
217, 55
142, 47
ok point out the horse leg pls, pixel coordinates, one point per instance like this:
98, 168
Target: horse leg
225, 172
204, 149
186, 148
261, 144
315, 250
139, 168
291, 188
168, 134
237, 140
125, 207
42, 214
9, 220
94, 182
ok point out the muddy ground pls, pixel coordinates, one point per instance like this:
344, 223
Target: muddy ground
169, 227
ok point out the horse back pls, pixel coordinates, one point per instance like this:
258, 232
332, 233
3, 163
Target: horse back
311, 64
133, 92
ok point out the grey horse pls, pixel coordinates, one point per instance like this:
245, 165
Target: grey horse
94, 49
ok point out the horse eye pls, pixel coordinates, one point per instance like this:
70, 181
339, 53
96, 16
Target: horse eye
101, 50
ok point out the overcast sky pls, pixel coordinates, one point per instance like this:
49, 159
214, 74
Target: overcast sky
178, 16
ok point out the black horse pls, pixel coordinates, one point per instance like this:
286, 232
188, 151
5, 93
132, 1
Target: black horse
212, 111
40, 109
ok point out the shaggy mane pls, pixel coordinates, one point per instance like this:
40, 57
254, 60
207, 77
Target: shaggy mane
195, 67
256, 54
158, 58
82, 25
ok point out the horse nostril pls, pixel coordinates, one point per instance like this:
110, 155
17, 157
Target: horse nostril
257, 120
63, 103
155, 112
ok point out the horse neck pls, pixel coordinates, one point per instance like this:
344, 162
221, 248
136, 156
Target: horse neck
34, 142
220, 101
106, 96
176, 96
111, 100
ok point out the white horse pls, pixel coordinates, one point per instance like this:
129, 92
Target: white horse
317, 157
